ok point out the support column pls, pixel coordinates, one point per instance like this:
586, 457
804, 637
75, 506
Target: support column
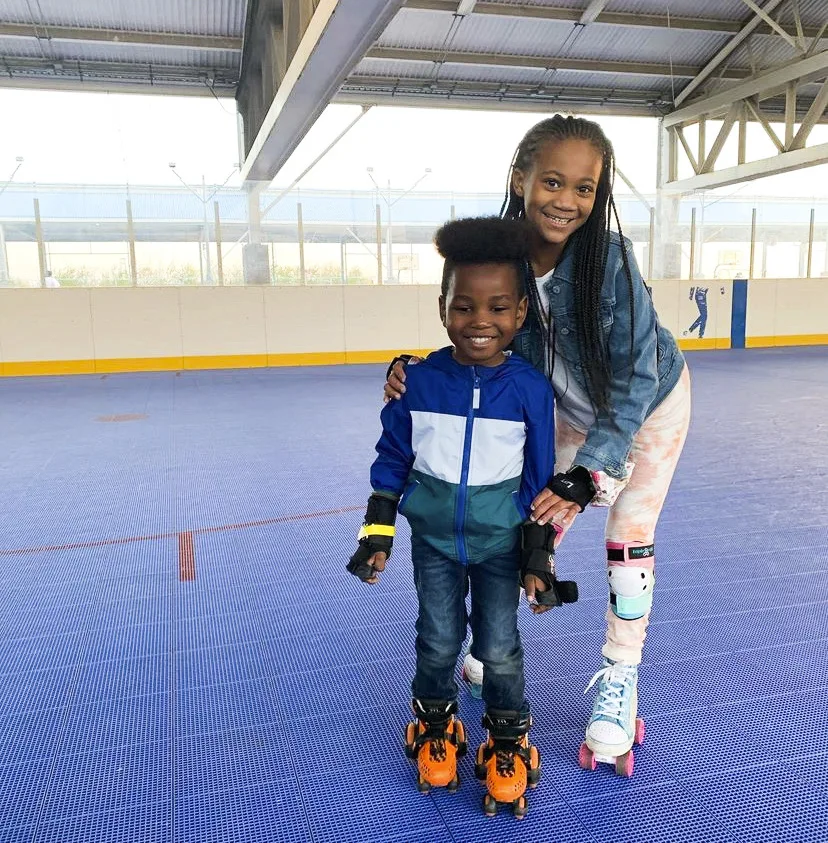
667, 258
133, 265
219, 259
4, 259
254, 253
41, 248
300, 228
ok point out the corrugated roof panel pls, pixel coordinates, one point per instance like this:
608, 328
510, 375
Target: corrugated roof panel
766, 52
538, 37
488, 75
413, 28
492, 75
813, 12
22, 47
193, 17
716, 9
614, 43
394, 69
556, 4
619, 81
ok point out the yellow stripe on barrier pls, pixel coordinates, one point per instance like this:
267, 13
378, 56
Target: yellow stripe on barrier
782, 341
194, 363
706, 344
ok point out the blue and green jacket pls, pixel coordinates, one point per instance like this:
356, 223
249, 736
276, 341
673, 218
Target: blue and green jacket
466, 450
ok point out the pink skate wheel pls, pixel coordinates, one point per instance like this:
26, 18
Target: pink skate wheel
586, 759
639, 731
624, 764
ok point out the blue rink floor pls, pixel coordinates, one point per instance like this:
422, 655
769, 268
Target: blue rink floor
184, 658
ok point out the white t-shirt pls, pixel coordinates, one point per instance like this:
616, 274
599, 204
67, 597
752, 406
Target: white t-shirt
571, 399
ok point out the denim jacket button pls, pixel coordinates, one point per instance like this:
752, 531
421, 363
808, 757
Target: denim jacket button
556, 289
565, 331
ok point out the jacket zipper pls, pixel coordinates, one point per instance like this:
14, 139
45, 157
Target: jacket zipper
460, 518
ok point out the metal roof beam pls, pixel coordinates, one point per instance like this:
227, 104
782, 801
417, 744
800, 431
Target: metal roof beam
178, 40
765, 85
590, 14
784, 163
48, 82
744, 33
336, 39
548, 93
468, 100
100, 75
544, 62
522, 10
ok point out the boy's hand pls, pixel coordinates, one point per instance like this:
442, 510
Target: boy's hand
395, 385
366, 565
377, 562
548, 506
533, 587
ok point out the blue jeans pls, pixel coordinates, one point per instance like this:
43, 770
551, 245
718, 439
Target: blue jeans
442, 585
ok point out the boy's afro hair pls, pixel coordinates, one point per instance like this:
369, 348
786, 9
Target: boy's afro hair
483, 240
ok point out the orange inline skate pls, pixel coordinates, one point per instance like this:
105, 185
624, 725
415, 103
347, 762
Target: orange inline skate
507, 762
435, 740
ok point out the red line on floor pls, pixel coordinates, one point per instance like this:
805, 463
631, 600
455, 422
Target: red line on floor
266, 522
186, 557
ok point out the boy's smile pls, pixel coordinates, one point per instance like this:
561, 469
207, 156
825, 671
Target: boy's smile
482, 312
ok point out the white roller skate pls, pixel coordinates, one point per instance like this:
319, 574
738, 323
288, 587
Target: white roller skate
613, 727
472, 671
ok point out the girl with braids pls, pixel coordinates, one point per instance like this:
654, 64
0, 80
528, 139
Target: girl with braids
622, 391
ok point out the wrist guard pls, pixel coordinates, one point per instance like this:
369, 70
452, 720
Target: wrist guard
575, 485
376, 534
405, 359
537, 557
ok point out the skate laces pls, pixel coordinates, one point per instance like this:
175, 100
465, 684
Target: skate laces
505, 761
615, 690
436, 735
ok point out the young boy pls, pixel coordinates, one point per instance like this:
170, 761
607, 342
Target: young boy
462, 455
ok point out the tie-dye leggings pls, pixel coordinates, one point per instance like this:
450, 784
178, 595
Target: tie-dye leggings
634, 515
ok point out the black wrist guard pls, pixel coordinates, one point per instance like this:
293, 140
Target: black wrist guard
575, 485
405, 358
537, 557
377, 534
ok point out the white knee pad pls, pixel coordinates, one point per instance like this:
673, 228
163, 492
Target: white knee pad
631, 585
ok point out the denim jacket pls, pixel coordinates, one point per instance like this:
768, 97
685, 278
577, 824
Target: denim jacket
641, 377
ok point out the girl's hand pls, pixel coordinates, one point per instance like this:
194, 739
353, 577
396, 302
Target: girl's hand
395, 385
547, 506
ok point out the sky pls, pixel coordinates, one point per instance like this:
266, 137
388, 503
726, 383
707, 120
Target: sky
99, 138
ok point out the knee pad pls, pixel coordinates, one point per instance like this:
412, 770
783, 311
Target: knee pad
631, 580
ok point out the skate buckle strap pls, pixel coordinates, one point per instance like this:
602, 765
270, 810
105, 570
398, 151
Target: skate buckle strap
615, 690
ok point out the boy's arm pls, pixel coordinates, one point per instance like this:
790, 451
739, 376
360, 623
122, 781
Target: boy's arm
543, 590
395, 456
539, 450
389, 472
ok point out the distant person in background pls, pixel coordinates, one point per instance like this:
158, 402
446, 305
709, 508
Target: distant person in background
700, 294
50, 280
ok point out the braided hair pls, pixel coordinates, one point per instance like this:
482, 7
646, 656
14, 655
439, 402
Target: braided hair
590, 243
